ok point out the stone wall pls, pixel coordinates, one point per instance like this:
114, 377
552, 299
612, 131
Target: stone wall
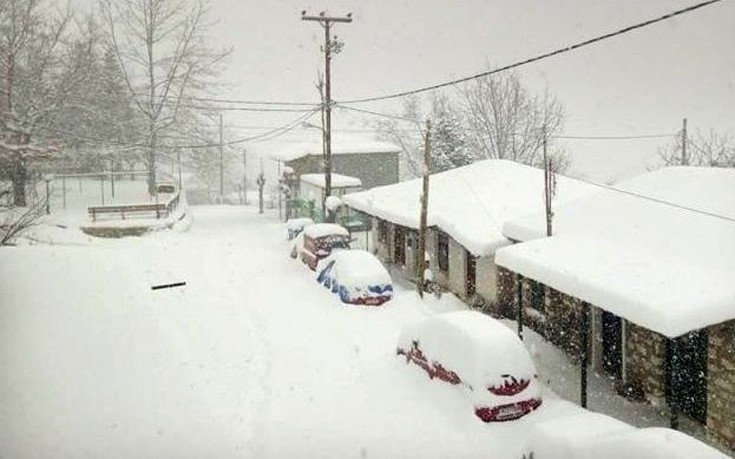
721, 384
563, 325
646, 366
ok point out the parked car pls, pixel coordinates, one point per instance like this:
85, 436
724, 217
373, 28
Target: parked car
480, 353
356, 276
294, 226
320, 239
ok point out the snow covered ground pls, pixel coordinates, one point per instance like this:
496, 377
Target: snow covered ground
251, 358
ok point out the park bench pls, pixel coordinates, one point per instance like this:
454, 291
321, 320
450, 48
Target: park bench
128, 211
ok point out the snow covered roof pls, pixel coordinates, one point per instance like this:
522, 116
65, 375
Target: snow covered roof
469, 203
660, 266
338, 180
340, 145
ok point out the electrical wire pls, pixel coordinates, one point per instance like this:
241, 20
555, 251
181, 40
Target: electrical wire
540, 57
567, 137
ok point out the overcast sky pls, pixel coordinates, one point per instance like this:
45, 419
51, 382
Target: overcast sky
640, 83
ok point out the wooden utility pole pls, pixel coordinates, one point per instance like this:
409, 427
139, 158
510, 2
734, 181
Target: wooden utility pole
548, 187
424, 208
245, 176
684, 159
330, 47
584, 357
221, 164
261, 183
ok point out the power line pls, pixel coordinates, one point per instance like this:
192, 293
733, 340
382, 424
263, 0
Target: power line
567, 137
234, 101
539, 57
656, 200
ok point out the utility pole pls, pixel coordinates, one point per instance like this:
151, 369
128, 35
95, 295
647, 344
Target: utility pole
424, 208
221, 165
245, 175
330, 46
684, 159
260, 181
548, 187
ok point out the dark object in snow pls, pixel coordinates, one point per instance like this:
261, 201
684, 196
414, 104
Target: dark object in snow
175, 284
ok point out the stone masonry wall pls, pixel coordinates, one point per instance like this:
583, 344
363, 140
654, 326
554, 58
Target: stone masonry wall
721, 384
564, 322
646, 362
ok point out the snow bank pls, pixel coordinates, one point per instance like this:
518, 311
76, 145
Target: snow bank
650, 443
470, 203
565, 437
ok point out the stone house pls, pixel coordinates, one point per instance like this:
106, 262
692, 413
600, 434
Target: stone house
640, 289
467, 209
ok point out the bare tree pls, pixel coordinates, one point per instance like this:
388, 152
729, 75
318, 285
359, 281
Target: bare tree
405, 132
162, 51
14, 221
711, 149
505, 121
34, 81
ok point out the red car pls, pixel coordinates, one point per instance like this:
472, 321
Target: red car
320, 239
474, 350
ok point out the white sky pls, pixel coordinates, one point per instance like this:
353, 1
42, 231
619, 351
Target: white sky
643, 82
640, 83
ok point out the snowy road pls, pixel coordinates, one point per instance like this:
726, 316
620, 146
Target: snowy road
250, 359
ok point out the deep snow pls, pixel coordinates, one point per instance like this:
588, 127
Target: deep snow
251, 358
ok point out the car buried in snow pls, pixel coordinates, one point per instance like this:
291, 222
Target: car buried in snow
474, 350
294, 226
356, 276
320, 240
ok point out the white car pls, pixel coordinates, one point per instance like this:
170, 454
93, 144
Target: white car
356, 276
480, 353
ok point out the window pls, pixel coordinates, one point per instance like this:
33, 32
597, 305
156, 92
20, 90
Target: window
442, 247
537, 296
471, 274
382, 231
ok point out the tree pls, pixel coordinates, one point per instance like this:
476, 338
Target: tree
505, 121
161, 48
34, 82
449, 146
405, 131
711, 149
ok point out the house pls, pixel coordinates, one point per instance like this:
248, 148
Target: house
648, 273
468, 207
374, 162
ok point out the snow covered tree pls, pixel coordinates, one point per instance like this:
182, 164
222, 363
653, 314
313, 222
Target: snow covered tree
162, 51
712, 150
505, 121
33, 83
449, 148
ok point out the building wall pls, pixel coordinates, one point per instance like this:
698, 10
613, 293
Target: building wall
721, 384
373, 169
457, 268
645, 353
487, 280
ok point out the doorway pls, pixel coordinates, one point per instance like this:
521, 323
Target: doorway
687, 358
612, 344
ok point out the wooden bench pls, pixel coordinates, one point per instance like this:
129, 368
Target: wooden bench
132, 210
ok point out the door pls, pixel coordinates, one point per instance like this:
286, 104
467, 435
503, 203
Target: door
399, 245
612, 344
688, 374
470, 274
